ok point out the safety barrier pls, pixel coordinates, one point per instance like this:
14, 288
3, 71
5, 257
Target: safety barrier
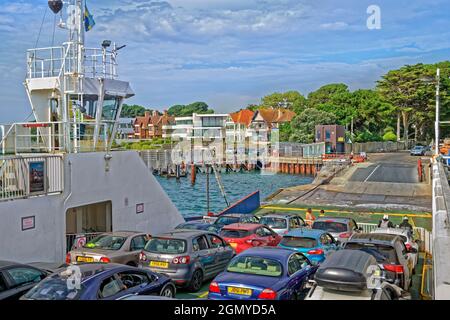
21, 177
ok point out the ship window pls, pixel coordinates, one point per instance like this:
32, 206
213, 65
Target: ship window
110, 108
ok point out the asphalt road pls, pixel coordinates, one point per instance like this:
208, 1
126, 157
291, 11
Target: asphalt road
389, 167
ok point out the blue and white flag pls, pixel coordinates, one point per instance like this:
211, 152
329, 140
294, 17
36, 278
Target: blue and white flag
89, 22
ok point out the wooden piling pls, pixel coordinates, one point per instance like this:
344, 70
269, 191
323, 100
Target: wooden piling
193, 173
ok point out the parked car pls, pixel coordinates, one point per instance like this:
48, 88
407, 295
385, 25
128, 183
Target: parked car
390, 253
16, 279
118, 247
418, 151
230, 218
263, 273
188, 257
314, 244
243, 236
194, 225
282, 223
347, 275
102, 281
340, 228
411, 246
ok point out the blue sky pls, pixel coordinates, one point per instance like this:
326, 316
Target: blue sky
230, 53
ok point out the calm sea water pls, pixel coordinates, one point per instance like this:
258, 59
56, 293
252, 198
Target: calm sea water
191, 199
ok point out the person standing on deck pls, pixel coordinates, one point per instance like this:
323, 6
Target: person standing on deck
385, 223
310, 217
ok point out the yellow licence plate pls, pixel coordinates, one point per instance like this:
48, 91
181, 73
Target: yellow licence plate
159, 264
85, 259
240, 291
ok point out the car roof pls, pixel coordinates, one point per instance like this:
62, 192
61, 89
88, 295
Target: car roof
334, 219
393, 231
379, 238
237, 215
268, 252
278, 215
89, 270
123, 233
181, 233
242, 226
4, 263
307, 233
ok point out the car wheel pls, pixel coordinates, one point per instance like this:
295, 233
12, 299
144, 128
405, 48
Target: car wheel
168, 291
196, 281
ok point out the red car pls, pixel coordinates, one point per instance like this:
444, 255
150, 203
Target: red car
243, 236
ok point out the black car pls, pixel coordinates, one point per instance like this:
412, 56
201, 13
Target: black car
16, 279
390, 252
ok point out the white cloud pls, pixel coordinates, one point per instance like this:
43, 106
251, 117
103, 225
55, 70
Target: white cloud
334, 25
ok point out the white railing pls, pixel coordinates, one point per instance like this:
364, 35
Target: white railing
56, 61
21, 177
49, 137
367, 227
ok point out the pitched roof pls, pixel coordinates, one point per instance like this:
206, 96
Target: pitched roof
278, 115
242, 117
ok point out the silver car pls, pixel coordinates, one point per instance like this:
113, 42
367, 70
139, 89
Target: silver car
188, 257
340, 228
282, 223
119, 247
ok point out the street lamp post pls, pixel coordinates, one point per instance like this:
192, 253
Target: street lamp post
437, 111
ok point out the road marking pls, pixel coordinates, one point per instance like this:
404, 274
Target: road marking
203, 294
368, 177
418, 215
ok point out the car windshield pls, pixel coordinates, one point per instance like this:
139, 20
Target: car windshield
164, 245
191, 226
54, 288
274, 223
106, 242
234, 233
330, 226
227, 220
255, 265
380, 252
298, 242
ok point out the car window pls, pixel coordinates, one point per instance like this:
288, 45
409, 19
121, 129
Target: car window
298, 242
215, 241
227, 220
132, 279
24, 275
199, 243
138, 243
234, 233
293, 223
255, 265
274, 222
54, 288
2, 284
330, 238
296, 262
106, 242
323, 239
166, 245
267, 232
110, 287
330, 226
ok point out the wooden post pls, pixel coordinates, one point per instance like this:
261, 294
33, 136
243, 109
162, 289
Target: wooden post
193, 173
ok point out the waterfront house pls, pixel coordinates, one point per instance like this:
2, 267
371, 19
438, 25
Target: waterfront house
237, 137
150, 126
334, 137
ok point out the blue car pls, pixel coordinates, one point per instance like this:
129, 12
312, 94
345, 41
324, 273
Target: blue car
100, 281
263, 273
315, 244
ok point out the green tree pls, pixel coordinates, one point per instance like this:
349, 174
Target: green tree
292, 100
303, 125
187, 110
133, 111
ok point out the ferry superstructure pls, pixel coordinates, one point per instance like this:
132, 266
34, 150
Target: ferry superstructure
58, 176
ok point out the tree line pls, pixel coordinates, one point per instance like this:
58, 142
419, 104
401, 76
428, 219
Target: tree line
400, 107
179, 110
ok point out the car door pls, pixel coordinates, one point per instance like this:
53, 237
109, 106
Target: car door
331, 244
138, 283
222, 252
301, 222
19, 280
271, 237
298, 269
406, 261
205, 256
111, 288
137, 244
